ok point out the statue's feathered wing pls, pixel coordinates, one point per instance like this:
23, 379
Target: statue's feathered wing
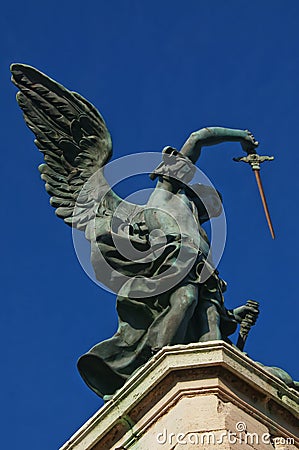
75, 141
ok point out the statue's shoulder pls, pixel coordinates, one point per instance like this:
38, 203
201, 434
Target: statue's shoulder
207, 200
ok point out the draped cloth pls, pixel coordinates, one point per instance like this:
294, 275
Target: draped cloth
140, 303
107, 366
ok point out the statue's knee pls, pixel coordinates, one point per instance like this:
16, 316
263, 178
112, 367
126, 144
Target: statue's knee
188, 299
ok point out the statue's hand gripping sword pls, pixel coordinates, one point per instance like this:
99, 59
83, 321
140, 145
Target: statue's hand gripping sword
255, 160
246, 323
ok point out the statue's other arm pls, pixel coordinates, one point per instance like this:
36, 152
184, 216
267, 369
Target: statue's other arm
216, 135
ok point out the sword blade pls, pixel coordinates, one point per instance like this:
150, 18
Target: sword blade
264, 201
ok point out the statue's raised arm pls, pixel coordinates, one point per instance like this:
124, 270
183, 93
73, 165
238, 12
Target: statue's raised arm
216, 135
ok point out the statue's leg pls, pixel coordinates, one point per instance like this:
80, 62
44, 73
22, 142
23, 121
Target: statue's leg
171, 325
208, 322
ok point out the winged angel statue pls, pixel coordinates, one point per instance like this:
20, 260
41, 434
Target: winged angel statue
155, 257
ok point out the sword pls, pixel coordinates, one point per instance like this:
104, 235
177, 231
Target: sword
255, 160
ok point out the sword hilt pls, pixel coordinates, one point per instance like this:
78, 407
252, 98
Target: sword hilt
246, 324
254, 160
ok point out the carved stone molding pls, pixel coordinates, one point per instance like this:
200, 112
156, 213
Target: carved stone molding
190, 390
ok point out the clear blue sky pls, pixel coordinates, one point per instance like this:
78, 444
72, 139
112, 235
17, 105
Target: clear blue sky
157, 71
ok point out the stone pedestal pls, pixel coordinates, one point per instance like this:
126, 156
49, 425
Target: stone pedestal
205, 395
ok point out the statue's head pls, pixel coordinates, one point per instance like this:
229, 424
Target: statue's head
178, 166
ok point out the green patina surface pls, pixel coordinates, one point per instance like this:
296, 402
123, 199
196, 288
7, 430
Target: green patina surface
156, 304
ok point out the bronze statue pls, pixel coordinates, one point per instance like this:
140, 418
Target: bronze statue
156, 258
